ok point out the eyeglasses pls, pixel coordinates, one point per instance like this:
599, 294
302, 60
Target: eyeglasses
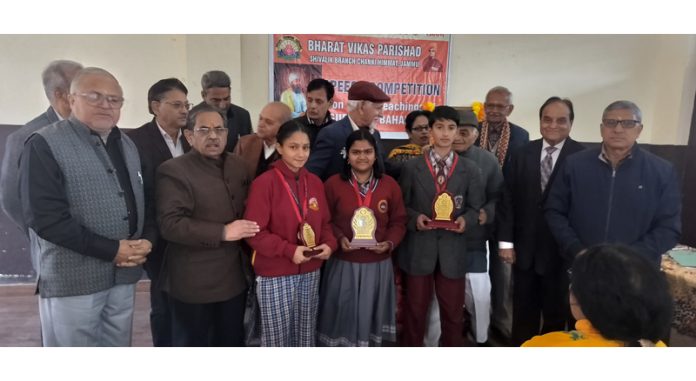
179, 105
205, 131
420, 128
95, 99
495, 106
627, 123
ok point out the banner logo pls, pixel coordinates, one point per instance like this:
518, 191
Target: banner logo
288, 48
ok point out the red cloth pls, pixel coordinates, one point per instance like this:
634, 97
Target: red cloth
388, 206
272, 208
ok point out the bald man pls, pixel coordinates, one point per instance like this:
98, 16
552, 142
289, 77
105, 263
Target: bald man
259, 149
83, 202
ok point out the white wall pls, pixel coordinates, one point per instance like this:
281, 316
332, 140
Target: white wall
657, 72
137, 61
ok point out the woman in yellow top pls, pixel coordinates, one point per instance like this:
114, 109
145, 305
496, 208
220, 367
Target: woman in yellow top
619, 299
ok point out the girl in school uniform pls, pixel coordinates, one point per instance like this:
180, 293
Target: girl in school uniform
358, 300
295, 238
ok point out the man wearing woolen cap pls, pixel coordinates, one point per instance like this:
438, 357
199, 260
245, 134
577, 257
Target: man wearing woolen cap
365, 104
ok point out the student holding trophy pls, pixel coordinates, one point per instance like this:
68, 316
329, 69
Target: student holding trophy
443, 194
358, 300
295, 238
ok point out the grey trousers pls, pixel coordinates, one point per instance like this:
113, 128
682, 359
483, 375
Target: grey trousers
102, 319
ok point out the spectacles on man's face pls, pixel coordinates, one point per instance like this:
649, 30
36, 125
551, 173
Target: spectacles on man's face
179, 105
205, 131
495, 106
626, 123
95, 99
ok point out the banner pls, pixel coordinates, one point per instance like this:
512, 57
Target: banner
411, 70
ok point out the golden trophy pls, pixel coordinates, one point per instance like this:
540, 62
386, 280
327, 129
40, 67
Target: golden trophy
308, 238
363, 225
443, 208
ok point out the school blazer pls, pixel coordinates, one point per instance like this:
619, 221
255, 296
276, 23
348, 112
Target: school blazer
421, 251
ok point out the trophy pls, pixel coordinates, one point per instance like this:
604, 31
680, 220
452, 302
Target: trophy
443, 208
307, 237
363, 225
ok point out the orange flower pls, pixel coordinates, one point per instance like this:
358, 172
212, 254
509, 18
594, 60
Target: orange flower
428, 106
477, 108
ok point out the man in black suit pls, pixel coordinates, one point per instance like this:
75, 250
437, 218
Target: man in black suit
158, 141
216, 87
56, 82
540, 287
502, 138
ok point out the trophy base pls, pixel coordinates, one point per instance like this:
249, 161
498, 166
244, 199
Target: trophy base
363, 243
439, 224
311, 253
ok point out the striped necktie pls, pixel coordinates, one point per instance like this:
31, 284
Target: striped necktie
547, 166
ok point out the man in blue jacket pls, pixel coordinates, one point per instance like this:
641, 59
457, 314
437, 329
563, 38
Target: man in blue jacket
618, 193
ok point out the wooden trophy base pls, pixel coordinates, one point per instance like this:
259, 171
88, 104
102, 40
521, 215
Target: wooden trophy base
440, 224
311, 253
363, 244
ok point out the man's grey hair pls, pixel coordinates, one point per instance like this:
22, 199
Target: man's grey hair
58, 75
201, 108
354, 104
624, 105
215, 78
501, 90
87, 72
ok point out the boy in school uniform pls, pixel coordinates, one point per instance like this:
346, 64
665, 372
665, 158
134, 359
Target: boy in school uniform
443, 194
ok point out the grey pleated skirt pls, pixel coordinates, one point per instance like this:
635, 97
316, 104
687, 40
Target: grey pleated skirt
357, 304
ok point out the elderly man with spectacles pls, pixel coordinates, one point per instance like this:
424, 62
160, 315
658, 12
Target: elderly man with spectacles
200, 203
83, 201
617, 193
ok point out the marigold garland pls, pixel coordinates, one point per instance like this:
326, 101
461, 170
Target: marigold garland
477, 108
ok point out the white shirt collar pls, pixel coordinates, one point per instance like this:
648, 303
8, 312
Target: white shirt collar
174, 145
545, 144
555, 154
60, 117
355, 126
268, 150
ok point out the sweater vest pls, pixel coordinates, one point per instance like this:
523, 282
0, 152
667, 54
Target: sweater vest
97, 202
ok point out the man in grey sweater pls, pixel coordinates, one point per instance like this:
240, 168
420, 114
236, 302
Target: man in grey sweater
83, 202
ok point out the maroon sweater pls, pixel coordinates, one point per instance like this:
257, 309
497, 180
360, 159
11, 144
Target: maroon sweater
271, 207
388, 206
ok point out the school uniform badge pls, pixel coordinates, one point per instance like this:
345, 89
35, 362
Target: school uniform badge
314, 204
458, 201
383, 206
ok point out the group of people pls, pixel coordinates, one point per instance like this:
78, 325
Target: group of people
339, 242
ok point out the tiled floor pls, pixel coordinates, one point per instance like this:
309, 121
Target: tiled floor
19, 319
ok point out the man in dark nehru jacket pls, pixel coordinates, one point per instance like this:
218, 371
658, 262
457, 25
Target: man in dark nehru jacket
365, 104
